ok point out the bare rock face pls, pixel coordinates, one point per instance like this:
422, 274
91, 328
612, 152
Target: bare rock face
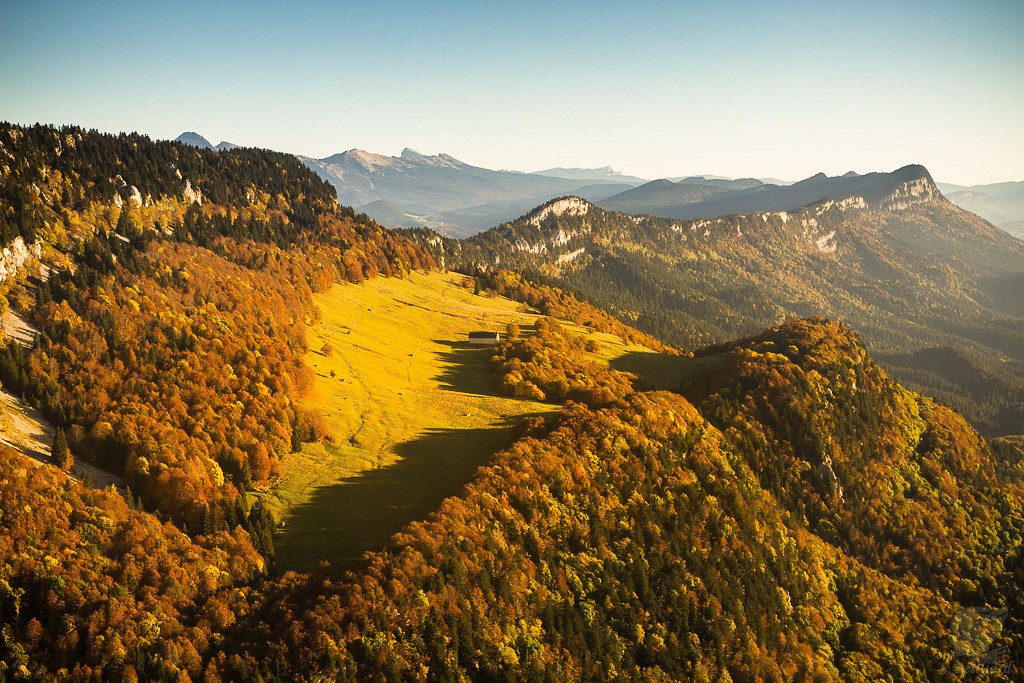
911, 193
193, 195
15, 255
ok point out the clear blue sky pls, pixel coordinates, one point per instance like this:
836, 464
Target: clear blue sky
782, 89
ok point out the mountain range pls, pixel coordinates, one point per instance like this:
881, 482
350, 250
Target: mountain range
689, 199
458, 199
454, 197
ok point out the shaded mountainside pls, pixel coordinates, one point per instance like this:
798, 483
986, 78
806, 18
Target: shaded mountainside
657, 196
686, 200
914, 276
647, 198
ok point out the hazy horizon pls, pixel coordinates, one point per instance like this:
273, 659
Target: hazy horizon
654, 90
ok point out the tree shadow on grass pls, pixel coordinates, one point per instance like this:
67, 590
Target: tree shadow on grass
664, 371
467, 368
342, 521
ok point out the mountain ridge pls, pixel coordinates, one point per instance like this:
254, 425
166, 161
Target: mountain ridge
681, 201
461, 206
907, 255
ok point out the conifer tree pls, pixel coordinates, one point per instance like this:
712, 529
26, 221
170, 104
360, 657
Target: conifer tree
60, 454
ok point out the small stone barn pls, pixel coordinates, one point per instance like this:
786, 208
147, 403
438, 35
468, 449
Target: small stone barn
484, 338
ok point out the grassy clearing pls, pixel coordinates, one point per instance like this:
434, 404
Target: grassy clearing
410, 406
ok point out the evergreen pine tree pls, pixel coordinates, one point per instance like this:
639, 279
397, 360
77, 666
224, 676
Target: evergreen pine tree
60, 454
261, 529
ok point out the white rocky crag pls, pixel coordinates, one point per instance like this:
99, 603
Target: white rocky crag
526, 247
911, 193
572, 206
15, 255
135, 197
840, 204
193, 195
567, 206
825, 243
812, 233
566, 258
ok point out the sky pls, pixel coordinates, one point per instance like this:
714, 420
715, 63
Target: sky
653, 89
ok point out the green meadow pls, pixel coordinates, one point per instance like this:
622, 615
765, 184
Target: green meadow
410, 407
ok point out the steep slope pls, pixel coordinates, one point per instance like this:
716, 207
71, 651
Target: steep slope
685, 203
93, 589
858, 458
908, 269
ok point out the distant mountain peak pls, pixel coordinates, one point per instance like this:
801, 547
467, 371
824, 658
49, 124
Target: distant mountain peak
441, 159
603, 174
367, 160
194, 139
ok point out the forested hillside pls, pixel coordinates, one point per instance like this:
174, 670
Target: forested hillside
639, 540
171, 323
933, 289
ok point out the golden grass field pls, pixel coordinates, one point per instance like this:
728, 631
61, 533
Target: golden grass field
410, 407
